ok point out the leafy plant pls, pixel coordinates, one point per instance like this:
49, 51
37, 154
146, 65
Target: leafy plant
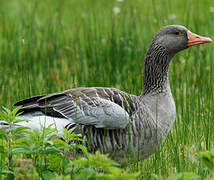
207, 159
41, 150
9, 141
179, 176
107, 168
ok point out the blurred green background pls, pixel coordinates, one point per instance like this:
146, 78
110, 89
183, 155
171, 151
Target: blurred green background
52, 45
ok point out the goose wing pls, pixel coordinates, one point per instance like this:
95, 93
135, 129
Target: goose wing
101, 107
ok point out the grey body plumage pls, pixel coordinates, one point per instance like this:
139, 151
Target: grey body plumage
113, 121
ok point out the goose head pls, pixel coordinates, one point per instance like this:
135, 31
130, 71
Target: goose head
175, 38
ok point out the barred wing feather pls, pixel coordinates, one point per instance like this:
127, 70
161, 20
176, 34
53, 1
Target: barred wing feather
100, 107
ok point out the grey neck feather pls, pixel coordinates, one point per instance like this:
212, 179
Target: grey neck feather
155, 72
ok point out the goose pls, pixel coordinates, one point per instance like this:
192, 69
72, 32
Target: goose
113, 121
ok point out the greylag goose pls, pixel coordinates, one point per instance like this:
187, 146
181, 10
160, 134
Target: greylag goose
113, 121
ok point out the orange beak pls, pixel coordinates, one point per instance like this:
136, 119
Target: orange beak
194, 39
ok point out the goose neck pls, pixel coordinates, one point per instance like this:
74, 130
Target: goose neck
155, 72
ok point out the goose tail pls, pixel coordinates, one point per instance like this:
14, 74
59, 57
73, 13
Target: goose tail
37, 122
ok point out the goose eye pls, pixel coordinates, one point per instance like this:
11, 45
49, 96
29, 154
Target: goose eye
178, 33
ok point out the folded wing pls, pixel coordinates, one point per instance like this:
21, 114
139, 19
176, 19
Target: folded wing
101, 107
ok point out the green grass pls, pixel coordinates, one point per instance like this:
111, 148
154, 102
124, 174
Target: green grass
49, 46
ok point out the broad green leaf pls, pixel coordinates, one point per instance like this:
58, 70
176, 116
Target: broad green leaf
20, 130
